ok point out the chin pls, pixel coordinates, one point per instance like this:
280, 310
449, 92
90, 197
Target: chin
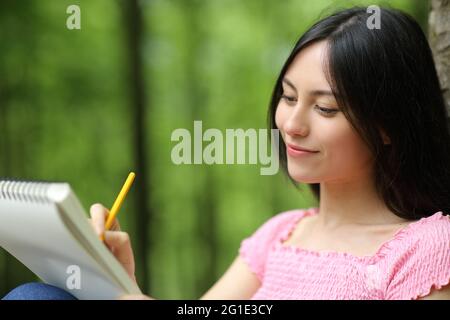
302, 178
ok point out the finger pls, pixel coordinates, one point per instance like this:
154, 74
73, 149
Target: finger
120, 245
115, 226
98, 215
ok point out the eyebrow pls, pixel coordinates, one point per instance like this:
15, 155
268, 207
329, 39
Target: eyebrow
312, 92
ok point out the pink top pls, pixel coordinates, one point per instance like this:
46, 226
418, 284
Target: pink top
416, 259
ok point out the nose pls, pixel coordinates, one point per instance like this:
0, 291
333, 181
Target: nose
297, 123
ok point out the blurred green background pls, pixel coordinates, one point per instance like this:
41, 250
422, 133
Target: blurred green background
88, 106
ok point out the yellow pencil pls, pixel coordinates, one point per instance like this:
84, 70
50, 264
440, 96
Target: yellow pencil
118, 203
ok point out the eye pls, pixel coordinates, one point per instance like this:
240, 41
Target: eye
326, 111
288, 99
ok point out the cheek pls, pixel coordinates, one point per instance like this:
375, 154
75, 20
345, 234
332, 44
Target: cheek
280, 118
344, 148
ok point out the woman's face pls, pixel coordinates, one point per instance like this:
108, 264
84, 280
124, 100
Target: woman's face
304, 121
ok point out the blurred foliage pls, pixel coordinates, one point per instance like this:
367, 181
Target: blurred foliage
65, 115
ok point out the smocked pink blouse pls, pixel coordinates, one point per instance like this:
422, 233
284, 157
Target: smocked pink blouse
408, 266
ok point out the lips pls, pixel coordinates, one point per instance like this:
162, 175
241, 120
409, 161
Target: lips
294, 147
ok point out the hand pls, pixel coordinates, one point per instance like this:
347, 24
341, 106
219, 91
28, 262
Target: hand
118, 242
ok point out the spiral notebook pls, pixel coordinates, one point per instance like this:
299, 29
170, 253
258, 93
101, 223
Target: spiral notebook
45, 227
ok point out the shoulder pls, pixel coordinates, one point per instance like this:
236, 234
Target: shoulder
434, 226
429, 236
420, 262
255, 248
425, 235
275, 225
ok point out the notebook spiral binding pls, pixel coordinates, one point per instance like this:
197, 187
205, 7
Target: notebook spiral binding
24, 191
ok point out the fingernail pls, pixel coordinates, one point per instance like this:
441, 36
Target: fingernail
97, 207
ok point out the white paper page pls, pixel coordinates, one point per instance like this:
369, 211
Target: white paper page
35, 235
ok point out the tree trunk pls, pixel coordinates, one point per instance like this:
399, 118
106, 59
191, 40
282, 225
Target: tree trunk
205, 191
133, 22
439, 35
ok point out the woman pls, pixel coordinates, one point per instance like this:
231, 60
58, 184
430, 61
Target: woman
364, 123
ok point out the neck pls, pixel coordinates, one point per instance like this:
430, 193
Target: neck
352, 203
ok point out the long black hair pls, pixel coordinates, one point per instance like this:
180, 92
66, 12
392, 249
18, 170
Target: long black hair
385, 79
